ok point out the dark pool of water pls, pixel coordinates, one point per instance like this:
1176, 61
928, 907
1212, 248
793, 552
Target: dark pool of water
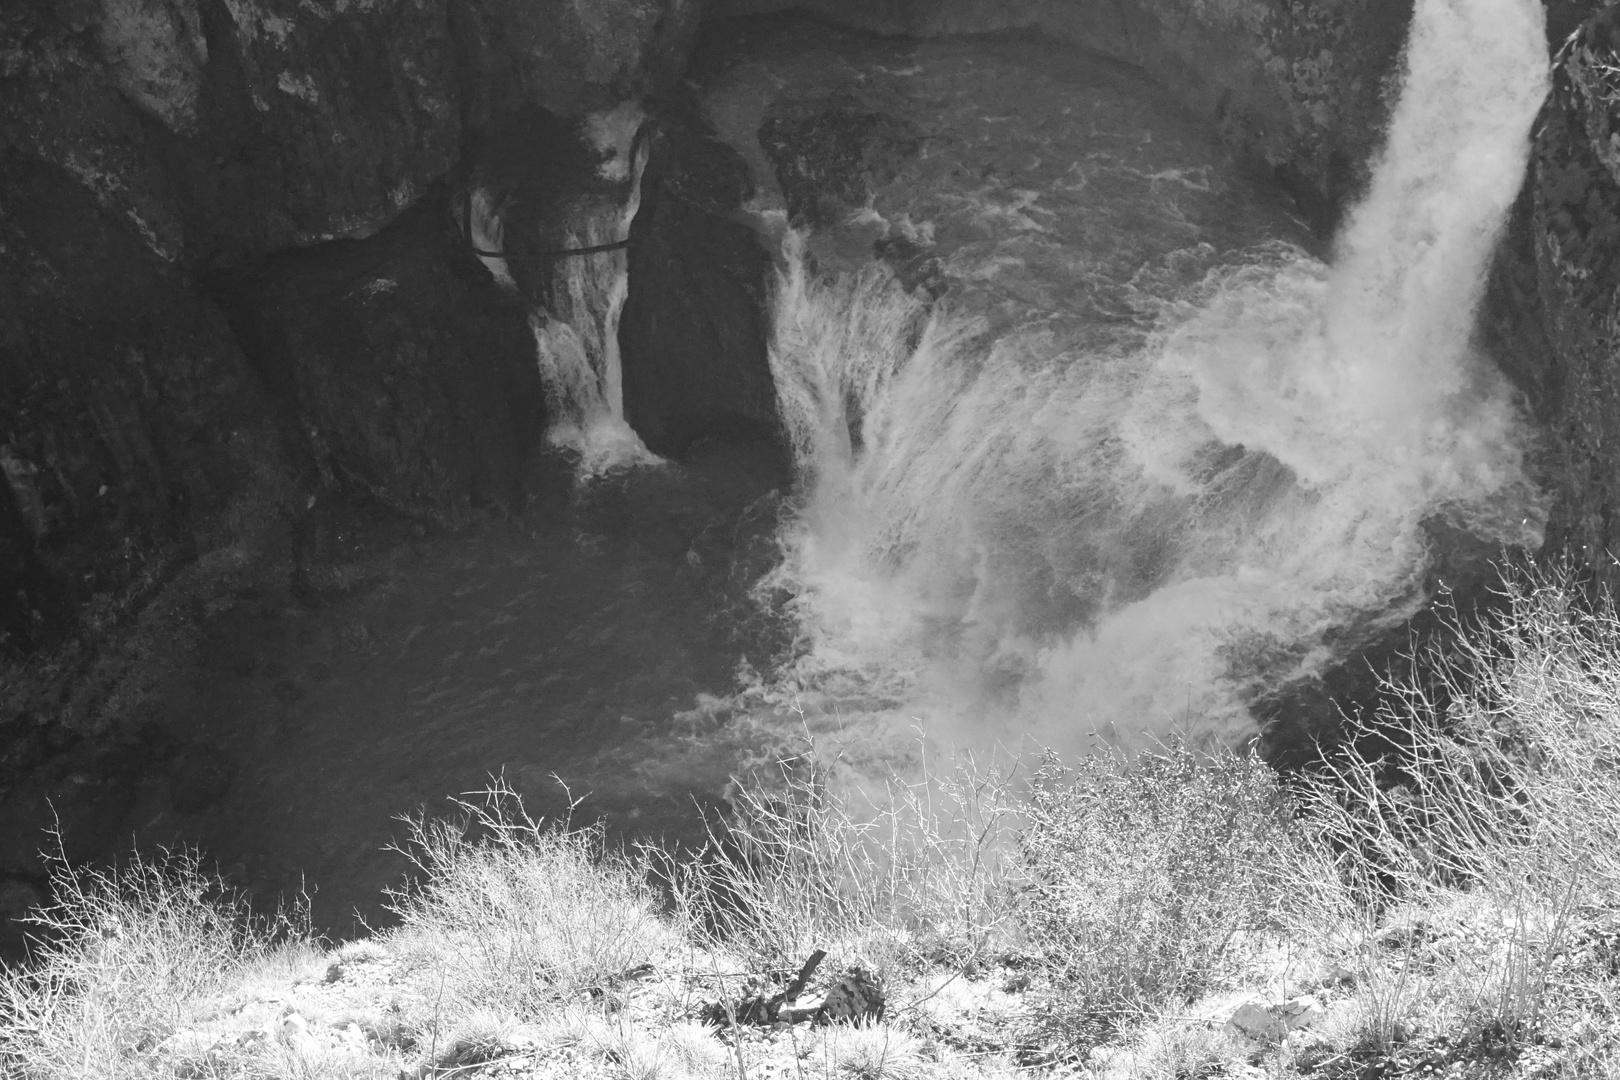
562, 646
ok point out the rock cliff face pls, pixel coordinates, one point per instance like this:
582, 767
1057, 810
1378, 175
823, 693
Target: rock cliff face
133, 433
1570, 227
694, 328
412, 373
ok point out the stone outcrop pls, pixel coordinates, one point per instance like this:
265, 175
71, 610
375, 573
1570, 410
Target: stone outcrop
694, 328
227, 127
412, 374
133, 434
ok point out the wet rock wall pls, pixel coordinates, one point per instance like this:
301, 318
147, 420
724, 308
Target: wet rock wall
1568, 252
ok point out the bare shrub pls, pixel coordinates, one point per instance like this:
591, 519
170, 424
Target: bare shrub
910, 875
1149, 880
1492, 771
125, 957
511, 913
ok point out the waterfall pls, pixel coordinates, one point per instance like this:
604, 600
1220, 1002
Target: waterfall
576, 328
1006, 538
576, 336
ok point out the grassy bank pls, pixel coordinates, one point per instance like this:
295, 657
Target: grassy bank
1440, 897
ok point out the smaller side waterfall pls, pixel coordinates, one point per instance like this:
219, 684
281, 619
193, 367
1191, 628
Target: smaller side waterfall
581, 295
577, 338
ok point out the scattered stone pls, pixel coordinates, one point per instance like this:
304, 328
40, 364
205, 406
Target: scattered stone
856, 997
294, 1030
1341, 976
761, 1009
1269, 1023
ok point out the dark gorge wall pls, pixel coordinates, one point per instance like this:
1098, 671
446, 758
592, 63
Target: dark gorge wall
1569, 250
694, 328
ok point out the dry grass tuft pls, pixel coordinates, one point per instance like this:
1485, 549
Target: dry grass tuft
872, 1052
1149, 880
897, 881
511, 914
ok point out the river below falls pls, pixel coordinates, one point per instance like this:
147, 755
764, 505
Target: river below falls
1063, 206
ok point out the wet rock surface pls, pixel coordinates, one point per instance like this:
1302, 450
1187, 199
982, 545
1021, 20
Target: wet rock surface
160, 155
694, 327
413, 376
1575, 234
156, 152
134, 434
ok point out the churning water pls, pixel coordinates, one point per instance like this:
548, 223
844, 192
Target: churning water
1009, 532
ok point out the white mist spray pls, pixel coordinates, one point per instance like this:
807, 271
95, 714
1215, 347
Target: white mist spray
1003, 538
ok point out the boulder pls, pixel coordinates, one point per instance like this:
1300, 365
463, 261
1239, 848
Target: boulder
693, 331
316, 121
855, 997
1265, 1022
133, 434
412, 374
61, 106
